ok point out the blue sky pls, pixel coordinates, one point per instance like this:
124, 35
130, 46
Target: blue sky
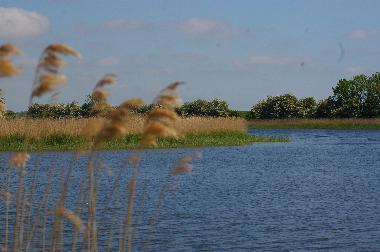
240, 51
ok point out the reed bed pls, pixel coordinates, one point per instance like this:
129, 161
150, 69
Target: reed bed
40, 128
341, 123
64, 213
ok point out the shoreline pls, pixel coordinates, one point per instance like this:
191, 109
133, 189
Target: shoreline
351, 123
60, 142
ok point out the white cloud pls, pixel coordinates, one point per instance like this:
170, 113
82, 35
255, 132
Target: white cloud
206, 26
360, 34
271, 60
125, 24
364, 34
109, 61
20, 23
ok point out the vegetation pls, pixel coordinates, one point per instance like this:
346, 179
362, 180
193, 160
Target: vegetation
73, 133
33, 217
3, 107
331, 123
213, 108
355, 98
283, 106
39, 128
95, 104
60, 142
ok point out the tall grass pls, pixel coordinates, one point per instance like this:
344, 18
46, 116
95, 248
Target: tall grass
342, 123
40, 128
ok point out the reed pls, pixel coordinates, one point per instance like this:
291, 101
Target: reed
41, 128
341, 123
39, 220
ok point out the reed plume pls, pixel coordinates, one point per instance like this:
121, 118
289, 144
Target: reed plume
99, 93
18, 160
71, 217
116, 122
7, 68
161, 119
47, 78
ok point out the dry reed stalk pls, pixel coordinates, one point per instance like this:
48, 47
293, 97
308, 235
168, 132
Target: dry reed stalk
47, 78
39, 213
18, 160
182, 166
127, 227
6, 197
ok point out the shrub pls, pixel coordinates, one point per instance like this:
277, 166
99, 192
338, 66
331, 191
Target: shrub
308, 107
214, 108
324, 108
283, 106
59, 110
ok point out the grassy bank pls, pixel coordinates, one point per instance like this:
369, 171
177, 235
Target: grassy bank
74, 134
67, 142
39, 128
355, 123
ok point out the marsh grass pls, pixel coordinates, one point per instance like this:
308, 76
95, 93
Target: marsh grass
348, 123
40, 128
71, 134
130, 141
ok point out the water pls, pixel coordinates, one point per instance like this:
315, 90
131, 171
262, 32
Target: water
321, 191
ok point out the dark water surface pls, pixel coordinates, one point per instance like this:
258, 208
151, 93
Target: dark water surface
321, 191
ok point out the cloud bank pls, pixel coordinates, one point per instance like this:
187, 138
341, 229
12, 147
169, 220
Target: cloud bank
271, 60
207, 26
364, 34
19, 23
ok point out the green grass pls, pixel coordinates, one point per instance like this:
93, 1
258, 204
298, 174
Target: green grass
70, 143
363, 124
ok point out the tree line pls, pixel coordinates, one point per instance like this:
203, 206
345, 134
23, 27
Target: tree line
358, 97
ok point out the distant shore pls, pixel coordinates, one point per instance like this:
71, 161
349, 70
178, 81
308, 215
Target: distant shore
349, 123
72, 143
77, 134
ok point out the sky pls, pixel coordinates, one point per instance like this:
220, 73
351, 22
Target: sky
240, 51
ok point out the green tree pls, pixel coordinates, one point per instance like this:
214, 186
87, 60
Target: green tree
273, 107
324, 108
358, 97
308, 107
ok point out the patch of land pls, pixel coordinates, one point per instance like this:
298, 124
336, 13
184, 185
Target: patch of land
352, 123
77, 134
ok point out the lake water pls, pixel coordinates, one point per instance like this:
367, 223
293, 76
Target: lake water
321, 191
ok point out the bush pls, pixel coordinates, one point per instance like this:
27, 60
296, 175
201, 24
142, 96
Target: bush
59, 110
283, 106
240, 114
325, 108
307, 107
214, 108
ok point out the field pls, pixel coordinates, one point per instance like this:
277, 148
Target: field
351, 123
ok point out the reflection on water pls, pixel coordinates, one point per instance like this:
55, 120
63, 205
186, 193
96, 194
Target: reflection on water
320, 191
